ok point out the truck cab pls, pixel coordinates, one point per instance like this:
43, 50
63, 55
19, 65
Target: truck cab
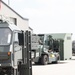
14, 50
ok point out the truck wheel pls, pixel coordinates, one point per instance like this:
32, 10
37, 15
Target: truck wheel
8, 73
36, 63
55, 62
1, 73
44, 60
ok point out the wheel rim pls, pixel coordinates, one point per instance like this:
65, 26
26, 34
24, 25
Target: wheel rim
46, 59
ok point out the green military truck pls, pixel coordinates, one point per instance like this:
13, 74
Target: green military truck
43, 50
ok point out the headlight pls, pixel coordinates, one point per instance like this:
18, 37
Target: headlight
9, 53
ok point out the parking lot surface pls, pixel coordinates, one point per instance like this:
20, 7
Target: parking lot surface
66, 67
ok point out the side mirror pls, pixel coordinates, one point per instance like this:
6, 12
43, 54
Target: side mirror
21, 38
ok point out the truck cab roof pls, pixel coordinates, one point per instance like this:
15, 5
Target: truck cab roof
10, 25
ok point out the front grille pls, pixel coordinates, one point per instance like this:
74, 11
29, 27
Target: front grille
4, 58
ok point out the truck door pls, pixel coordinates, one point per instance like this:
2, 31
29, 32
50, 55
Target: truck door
17, 49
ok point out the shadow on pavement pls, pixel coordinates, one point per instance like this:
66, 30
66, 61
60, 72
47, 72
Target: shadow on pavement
59, 62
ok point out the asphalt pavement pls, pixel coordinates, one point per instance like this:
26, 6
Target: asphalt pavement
66, 67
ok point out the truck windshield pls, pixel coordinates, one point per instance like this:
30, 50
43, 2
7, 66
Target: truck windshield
41, 39
5, 36
48, 41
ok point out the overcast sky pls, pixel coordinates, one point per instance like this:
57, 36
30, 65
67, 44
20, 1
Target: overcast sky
47, 16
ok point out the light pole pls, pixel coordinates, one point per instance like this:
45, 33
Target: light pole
8, 2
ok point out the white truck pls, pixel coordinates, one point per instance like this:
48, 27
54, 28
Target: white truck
15, 50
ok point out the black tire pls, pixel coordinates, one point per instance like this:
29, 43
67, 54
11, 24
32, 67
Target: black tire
55, 62
44, 60
36, 63
9, 72
1, 73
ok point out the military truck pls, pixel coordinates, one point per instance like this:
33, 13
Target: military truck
43, 50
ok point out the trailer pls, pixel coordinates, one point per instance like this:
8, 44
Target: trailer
43, 50
15, 49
